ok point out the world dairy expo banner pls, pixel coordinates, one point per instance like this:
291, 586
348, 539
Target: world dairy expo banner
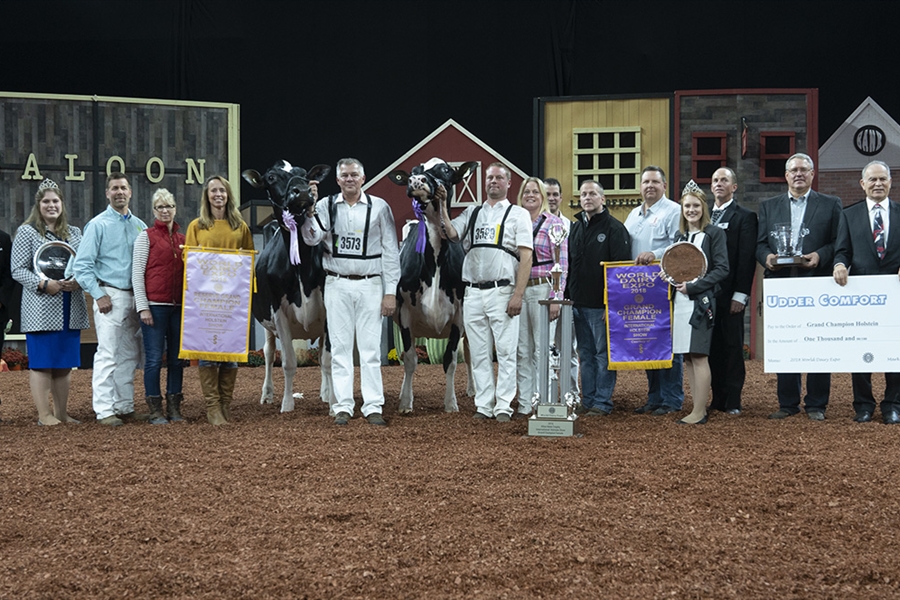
813, 325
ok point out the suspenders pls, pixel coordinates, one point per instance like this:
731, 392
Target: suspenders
498, 245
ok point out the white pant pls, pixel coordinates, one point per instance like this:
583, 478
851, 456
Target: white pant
119, 354
488, 326
353, 309
527, 352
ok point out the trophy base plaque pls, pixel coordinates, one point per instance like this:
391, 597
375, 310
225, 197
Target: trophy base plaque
554, 427
790, 261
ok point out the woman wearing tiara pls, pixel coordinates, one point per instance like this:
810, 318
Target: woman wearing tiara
695, 303
53, 310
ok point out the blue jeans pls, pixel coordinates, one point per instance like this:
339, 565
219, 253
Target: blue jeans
666, 386
164, 335
597, 381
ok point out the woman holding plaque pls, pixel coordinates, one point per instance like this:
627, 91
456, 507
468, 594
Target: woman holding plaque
695, 304
220, 226
533, 198
158, 279
53, 307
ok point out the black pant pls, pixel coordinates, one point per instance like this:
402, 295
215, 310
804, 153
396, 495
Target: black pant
726, 358
862, 392
818, 387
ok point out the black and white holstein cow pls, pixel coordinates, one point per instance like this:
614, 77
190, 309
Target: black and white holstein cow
290, 278
431, 290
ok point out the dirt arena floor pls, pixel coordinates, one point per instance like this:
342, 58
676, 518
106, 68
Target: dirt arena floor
442, 506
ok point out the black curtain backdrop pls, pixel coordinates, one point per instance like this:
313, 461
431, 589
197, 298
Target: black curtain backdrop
320, 80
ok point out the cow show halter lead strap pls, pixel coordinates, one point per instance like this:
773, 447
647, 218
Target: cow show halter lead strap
349, 242
498, 238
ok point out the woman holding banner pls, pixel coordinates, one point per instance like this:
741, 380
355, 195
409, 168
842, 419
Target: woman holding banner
53, 309
695, 304
158, 279
533, 198
219, 226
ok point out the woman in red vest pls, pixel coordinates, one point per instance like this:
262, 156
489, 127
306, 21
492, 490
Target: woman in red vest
158, 276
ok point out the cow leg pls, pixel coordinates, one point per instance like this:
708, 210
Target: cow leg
327, 388
268, 389
450, 355
288, 360
410, 359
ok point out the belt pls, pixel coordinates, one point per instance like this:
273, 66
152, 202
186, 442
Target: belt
538, 281
104, 284
489, 284
350, 277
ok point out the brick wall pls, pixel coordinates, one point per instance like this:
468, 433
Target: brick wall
844, 184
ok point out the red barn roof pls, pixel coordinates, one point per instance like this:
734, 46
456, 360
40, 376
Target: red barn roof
454, 144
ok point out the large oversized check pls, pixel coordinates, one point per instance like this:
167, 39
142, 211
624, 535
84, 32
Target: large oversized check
813, 325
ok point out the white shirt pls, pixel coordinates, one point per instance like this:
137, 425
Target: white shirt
483, 265
654, 229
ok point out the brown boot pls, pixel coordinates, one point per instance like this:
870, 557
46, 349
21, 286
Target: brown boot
156, 412
209, 383
227, 378
173, 407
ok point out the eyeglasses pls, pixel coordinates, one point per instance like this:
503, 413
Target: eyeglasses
164, 207
799, 171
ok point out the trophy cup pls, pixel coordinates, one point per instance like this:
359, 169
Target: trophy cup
788, 247
54, 260
554, 404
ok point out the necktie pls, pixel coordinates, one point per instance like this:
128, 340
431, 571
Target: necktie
717, 215
878, 232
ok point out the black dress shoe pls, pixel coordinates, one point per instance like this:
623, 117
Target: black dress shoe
663, 410
863, 416
700, 422
891, 417
647, 408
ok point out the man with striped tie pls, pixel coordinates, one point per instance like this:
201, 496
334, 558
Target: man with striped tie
868, 243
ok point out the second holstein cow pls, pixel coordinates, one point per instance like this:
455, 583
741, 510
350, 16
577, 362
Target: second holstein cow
431, 290
290, 278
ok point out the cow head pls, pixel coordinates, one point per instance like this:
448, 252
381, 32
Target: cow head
289, 193
425, 180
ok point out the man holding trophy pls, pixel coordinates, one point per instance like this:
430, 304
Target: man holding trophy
797, 232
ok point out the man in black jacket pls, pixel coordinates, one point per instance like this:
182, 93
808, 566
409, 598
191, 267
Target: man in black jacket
818, 215
595, 237
726, 353
7, 284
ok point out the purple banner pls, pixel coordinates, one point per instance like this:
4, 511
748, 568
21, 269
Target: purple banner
638, 317
216, 306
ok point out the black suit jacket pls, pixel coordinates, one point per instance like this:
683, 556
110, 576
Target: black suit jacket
7, 283
822, 217
856, 247
740, 227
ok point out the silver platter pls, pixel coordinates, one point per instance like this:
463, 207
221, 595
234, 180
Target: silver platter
54, 260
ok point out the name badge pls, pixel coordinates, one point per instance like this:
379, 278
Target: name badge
487, 234
350, 244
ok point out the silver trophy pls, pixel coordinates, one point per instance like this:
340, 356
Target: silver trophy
54, 260
788, 247
554, 404
557, 235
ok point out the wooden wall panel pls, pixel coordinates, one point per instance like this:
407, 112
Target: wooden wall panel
652, 115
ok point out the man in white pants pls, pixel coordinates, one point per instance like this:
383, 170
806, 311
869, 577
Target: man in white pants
362, 267
497, 239
103, 269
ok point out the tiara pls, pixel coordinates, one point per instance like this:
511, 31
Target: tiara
47, 184
691, 188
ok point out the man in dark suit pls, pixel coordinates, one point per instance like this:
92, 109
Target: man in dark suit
868, 243
7, 284
726, 353
819, 215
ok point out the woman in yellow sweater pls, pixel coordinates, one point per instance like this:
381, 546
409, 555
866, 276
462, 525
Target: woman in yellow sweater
220, 226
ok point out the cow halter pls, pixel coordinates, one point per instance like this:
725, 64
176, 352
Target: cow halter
291, 224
